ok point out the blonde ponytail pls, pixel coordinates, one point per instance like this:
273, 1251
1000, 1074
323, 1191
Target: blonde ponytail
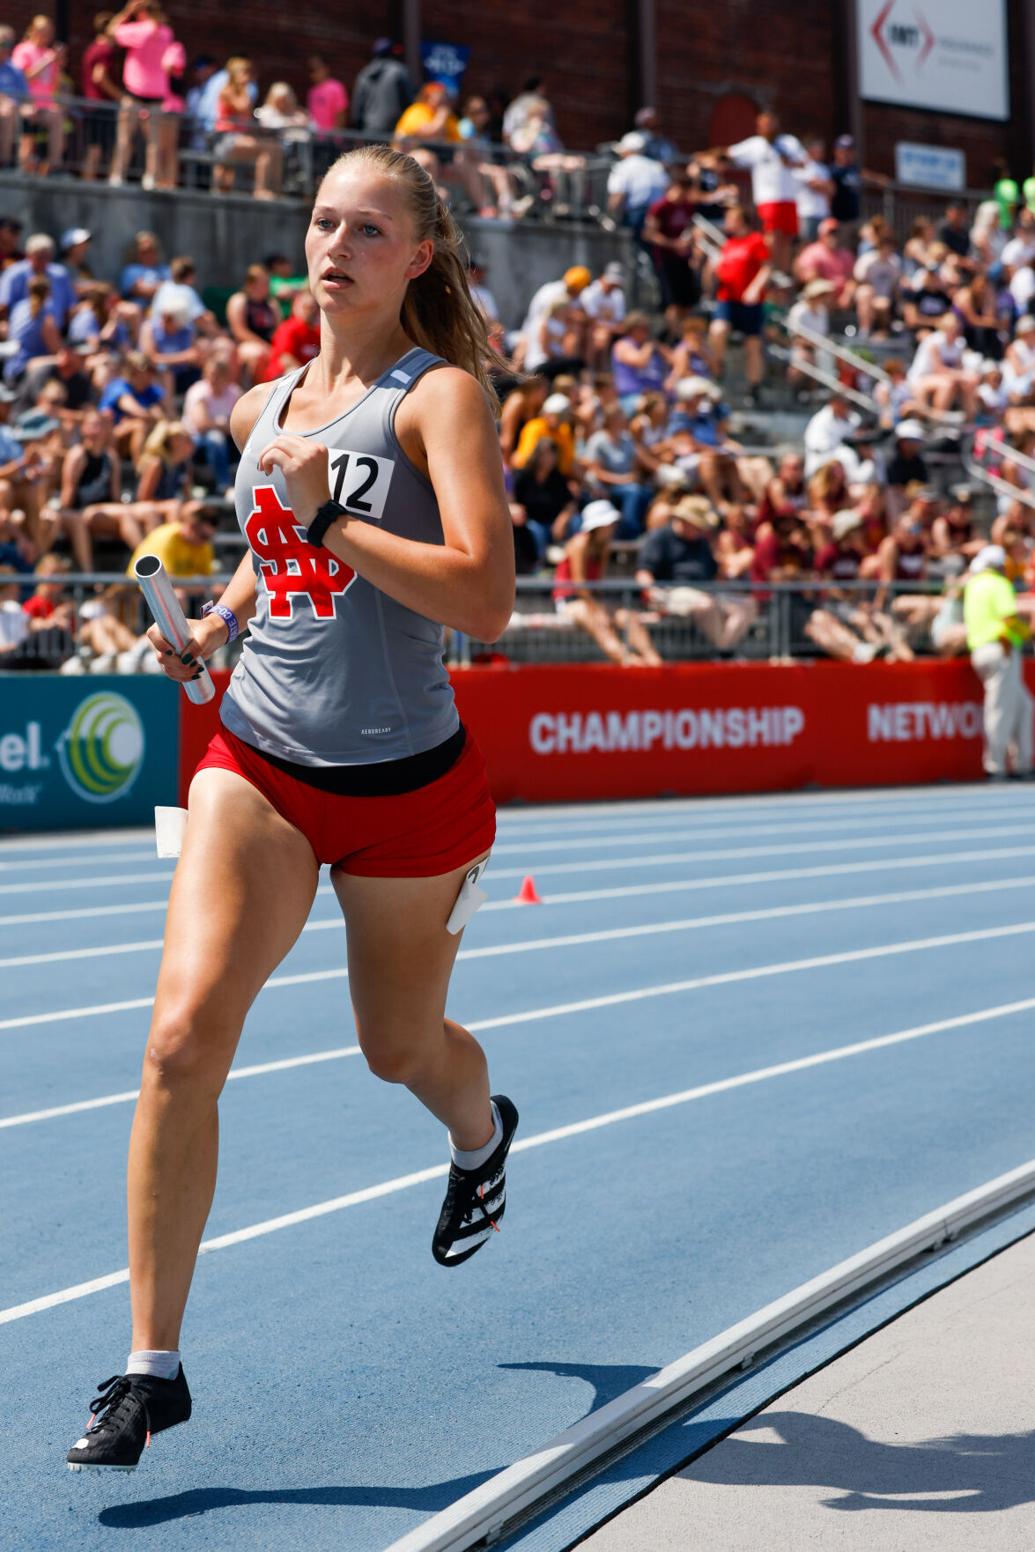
438, 312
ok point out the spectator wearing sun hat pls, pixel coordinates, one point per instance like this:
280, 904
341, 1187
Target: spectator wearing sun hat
995, 639
585, 561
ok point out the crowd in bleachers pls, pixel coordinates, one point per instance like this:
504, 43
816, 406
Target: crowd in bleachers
637, 443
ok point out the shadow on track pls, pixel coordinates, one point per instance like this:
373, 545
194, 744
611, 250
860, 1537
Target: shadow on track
985, 1473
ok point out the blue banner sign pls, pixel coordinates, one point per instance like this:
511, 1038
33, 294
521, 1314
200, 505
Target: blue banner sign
81, 753
445, 62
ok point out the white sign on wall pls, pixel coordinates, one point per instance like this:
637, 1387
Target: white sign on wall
930, 167
948, 55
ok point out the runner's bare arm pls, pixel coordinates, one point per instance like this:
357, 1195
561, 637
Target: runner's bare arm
467, 582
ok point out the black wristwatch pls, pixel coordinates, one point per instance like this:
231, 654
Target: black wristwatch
325, 516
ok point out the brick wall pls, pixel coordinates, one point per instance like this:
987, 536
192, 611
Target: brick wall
716, 60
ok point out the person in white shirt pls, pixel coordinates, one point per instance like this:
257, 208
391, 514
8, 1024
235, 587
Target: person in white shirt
815, 187
206, 414
603, 302
1021, 247
937, 374
569, 288
826, 439
484, 299
811, 311
774, 160
634, 182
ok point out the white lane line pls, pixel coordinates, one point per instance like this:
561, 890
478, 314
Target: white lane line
591, 1004
534, 945
256, 1070
622, 891
661, 859
137, 836
955, 792
540, 1140
24, 863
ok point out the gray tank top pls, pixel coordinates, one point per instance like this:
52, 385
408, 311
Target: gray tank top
334, 672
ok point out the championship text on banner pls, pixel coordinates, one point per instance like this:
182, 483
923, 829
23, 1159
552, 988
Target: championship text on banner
570, 733
80, 753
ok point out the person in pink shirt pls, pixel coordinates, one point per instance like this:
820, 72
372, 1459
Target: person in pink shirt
141, 29
826, 259
40, 60
327, 100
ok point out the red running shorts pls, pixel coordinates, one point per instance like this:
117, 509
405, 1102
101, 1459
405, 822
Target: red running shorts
780, 215
436, 829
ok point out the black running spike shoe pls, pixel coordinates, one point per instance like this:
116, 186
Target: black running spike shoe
127, 1410
476, 1199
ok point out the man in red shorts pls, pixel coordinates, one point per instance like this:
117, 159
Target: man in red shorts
742, 273
772, 158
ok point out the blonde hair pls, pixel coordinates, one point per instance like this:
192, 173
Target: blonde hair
438, 310
160, 441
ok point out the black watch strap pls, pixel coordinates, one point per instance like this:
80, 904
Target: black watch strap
325, 516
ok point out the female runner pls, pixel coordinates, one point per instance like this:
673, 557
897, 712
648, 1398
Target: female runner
371, 493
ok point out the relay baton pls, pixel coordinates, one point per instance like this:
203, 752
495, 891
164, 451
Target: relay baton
169, 617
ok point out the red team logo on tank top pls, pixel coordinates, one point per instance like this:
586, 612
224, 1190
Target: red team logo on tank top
290, 567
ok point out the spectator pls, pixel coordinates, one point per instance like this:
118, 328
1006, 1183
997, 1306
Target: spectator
742, 272
925, 296
635, 182
907, 465
522, 404
526, 545
518, 109
828, 259
849, 178
668, 232
682, 555
241, 137
812, 312
253, 317
815, 188
66, 371
38, 263
658, 147
203, 99
40, 60
183, 544
615, 471
555, 422
296, 339
14, 622
136, 403
774, 160
180, 292
558, 344
827, 435
474, 130
10, 237
14, 95
571, 285
544, 495
169, 342
938, 377
24, 484
995, 639
206, 414
381, 92
483, 297
603, 303
537, 140
327, 99
585, 561
1019, 365
844, 626
164, 470
140, 28
877, 275
90, 477
975, 306
784, 494
639, 363
954, 230
429, 119
75, 243
145, 272
105, 643
99, 86
33, 330
703, 449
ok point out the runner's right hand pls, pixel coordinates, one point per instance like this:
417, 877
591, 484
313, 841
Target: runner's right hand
204, 640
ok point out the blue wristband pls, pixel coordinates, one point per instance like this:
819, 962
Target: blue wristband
229, 618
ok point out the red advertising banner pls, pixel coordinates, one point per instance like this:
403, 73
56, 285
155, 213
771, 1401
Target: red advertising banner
560, 733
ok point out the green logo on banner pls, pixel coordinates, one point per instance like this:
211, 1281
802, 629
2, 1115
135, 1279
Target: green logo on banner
102, 749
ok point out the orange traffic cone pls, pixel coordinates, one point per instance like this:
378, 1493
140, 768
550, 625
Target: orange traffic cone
528, 894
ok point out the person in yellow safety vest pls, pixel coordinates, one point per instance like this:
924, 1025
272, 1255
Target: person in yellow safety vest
995, 638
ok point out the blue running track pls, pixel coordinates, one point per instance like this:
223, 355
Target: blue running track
677, 1024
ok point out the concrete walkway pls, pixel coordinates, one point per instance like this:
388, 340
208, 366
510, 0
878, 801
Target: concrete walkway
921, 1439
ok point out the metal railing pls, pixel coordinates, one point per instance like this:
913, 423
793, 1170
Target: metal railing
536, 187
703, 622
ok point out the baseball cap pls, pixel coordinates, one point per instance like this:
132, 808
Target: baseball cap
557, 404
845, 142
845, 521
632, 141
909, 431
599, 514
992, 557
74, 235
696, 388
577, 278
617, 272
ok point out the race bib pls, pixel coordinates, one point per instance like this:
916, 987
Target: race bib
359, 481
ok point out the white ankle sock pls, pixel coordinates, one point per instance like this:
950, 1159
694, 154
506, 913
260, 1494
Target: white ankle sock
474, 1158
161, 1365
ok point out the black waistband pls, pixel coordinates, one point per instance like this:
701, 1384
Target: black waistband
386, 779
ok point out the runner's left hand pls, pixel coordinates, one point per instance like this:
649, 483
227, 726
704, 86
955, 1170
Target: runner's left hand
303, 464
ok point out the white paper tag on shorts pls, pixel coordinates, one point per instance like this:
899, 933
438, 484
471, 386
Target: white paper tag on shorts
170, 824
471, 896
358, 481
